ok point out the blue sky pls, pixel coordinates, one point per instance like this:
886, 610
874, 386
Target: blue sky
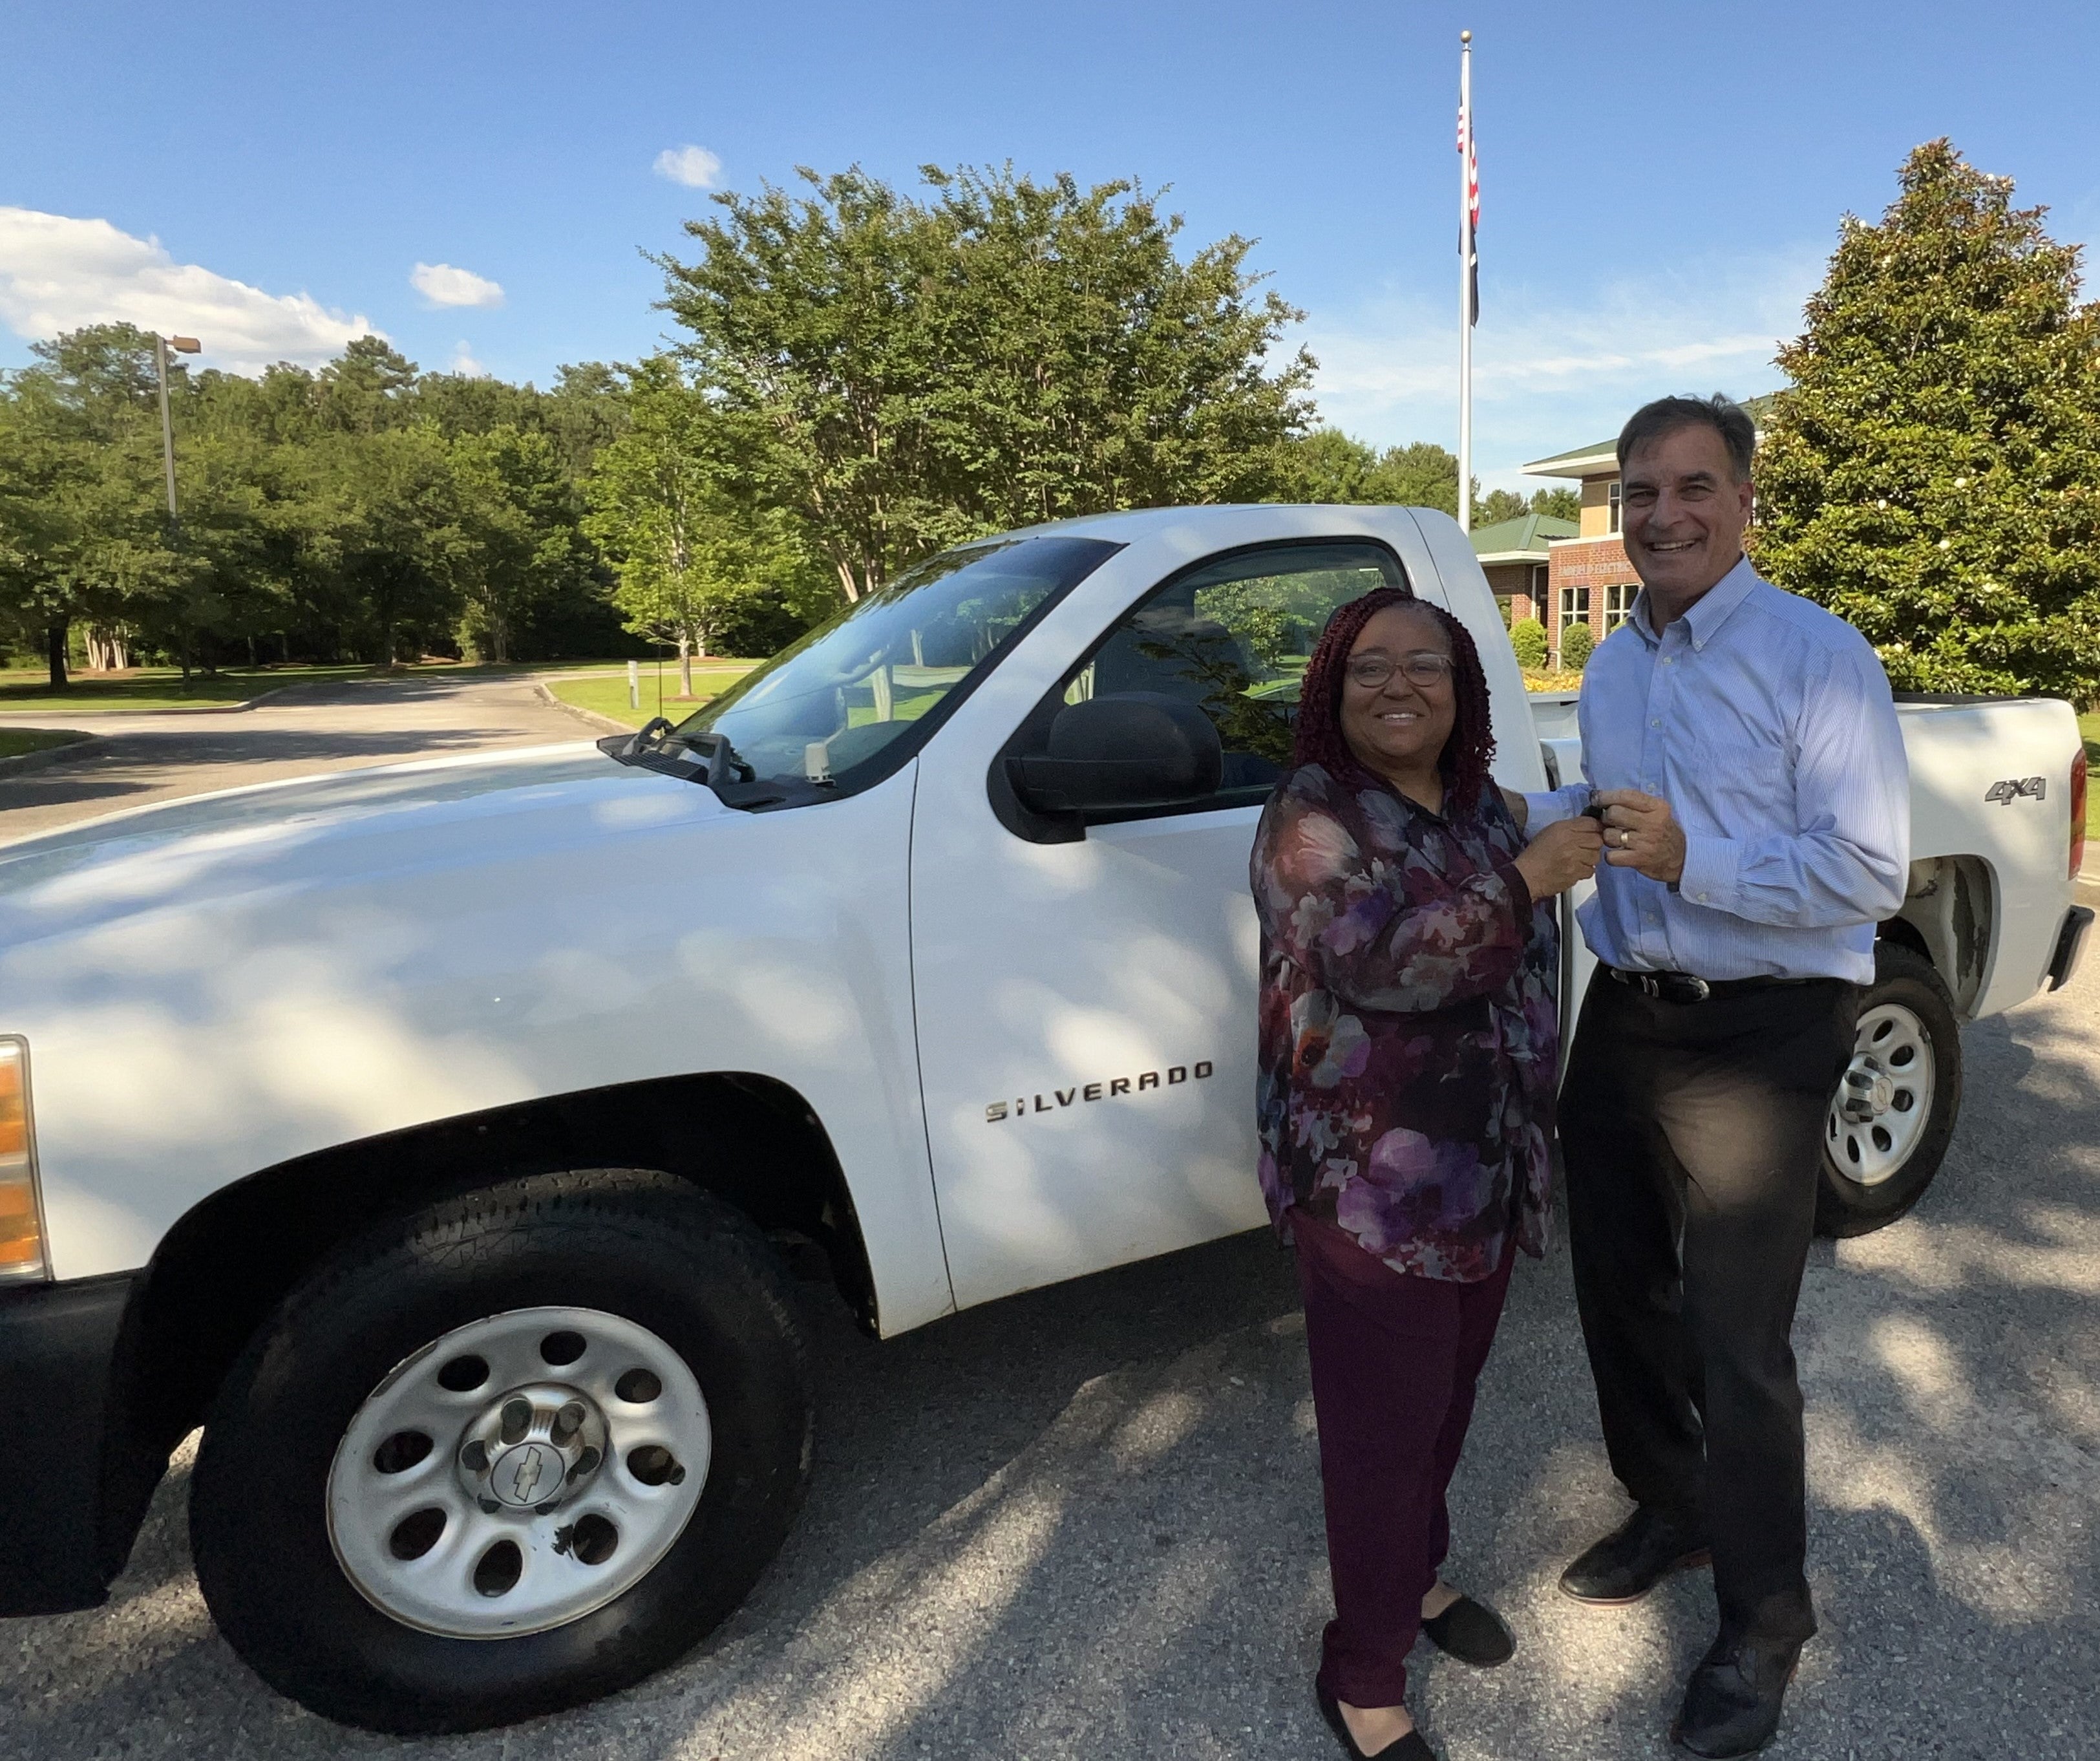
1660, 185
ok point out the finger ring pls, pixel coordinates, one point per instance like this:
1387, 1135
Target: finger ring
1625, 837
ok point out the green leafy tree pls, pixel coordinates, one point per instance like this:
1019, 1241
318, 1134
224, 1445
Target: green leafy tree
697, 562
84, 534
1001, 352
1329, 466
1500, 504
1933, 473
1576, 644
1528, 637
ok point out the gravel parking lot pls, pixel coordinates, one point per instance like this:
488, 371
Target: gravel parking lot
1085, 1522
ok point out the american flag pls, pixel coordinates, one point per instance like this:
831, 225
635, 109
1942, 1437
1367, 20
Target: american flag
1469, 249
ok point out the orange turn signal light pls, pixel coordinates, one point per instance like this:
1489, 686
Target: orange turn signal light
21, 1226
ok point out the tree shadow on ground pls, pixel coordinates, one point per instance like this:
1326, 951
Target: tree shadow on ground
1085, 1521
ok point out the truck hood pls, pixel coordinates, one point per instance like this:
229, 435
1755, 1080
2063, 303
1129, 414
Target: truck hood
341, 826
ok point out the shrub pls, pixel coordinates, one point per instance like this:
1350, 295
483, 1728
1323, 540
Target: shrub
1527, 637
1575, 644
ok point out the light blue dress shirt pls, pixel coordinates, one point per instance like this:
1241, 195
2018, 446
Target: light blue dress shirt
1767, 726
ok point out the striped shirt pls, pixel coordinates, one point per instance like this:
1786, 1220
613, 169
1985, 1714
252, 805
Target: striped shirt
1767, 726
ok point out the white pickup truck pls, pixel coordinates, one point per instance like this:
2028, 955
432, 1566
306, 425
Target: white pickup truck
437, 1136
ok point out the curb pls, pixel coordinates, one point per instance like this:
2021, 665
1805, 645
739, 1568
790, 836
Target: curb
603, 724
24, 762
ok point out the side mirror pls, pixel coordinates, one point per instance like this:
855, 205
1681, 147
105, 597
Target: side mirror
1136, 749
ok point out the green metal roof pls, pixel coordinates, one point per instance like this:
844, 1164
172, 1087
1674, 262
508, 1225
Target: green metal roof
1609, 447
1528, 533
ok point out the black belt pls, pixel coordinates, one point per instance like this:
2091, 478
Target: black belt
1683, 987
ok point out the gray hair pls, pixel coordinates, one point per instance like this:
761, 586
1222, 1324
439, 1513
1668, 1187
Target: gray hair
1664, 416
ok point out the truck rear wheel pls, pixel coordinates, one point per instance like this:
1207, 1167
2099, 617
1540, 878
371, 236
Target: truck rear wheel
509, 1455
1893, 1112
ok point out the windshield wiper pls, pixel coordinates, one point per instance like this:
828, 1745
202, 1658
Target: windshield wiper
656, 746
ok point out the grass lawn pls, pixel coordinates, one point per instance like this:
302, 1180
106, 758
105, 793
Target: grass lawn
607, 694
15, 741
25, 688
154, 688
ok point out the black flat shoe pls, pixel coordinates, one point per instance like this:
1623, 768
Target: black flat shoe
1634, 1558
1411, 1747
1733, 1702
1473, 1633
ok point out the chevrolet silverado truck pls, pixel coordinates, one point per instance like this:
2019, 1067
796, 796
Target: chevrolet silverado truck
438, 1137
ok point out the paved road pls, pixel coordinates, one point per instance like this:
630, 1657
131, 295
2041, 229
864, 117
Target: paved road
152, 756
1085, 1522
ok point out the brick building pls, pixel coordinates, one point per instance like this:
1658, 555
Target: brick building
1515, 556
1588, 579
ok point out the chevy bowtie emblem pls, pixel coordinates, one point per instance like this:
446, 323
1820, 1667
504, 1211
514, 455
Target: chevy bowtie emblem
520, 1474
1108, 1090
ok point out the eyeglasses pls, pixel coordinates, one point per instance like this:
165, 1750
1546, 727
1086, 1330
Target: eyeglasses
1424, 667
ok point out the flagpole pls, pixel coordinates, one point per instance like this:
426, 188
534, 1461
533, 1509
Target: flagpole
1465, 249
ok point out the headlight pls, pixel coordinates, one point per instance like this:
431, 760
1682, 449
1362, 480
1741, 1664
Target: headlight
21, 1214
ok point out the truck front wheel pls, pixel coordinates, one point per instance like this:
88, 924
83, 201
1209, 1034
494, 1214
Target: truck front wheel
507, 1456
1893, 1112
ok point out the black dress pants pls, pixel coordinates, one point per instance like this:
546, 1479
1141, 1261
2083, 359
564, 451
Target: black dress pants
1693, 1132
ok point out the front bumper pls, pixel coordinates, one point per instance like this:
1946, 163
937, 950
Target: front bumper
2070, 946
58, 1353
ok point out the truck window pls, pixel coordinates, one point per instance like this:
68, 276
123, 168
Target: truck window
847, 703
1232, 635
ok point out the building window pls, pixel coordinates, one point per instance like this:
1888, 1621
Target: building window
1619, 604
1611, 504
1574, 606
1538, 572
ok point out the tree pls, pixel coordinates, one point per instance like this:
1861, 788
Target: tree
694, 558
1003, 352
83, 527
1329, 466
1932, 474
1500, 504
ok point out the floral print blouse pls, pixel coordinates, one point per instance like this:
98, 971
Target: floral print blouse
1409, 1026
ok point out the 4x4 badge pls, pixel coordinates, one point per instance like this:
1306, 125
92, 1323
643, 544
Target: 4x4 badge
2018, 788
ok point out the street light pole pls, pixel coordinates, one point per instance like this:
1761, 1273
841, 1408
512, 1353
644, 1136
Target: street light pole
183, 345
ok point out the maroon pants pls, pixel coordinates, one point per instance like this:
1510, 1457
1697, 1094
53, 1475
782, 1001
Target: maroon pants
1395, 1360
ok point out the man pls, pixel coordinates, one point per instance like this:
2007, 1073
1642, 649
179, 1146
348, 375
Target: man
1755, 797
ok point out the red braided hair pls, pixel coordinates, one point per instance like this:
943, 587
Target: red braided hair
1464, 760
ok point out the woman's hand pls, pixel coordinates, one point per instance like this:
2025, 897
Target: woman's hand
1561, 854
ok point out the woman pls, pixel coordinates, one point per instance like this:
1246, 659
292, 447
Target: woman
1409, 1046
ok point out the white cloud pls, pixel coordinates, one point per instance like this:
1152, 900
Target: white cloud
442, 284
695, 167
1553, 370
57, 274
464, 363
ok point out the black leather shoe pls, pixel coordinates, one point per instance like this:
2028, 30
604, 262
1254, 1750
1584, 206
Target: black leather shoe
1473, 1633
1411, 1747
1733, 1702
1634, 1558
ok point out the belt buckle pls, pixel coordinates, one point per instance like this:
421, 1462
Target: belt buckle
1699, 988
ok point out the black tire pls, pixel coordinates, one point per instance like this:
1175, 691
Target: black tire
638, 1245
1844, 1205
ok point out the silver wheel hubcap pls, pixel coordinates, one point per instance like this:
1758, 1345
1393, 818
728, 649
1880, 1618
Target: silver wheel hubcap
518, 1473
1880, 1108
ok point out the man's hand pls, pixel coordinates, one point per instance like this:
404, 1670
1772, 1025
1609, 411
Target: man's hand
1641, 833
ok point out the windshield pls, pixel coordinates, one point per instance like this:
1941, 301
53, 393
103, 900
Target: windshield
849, 702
